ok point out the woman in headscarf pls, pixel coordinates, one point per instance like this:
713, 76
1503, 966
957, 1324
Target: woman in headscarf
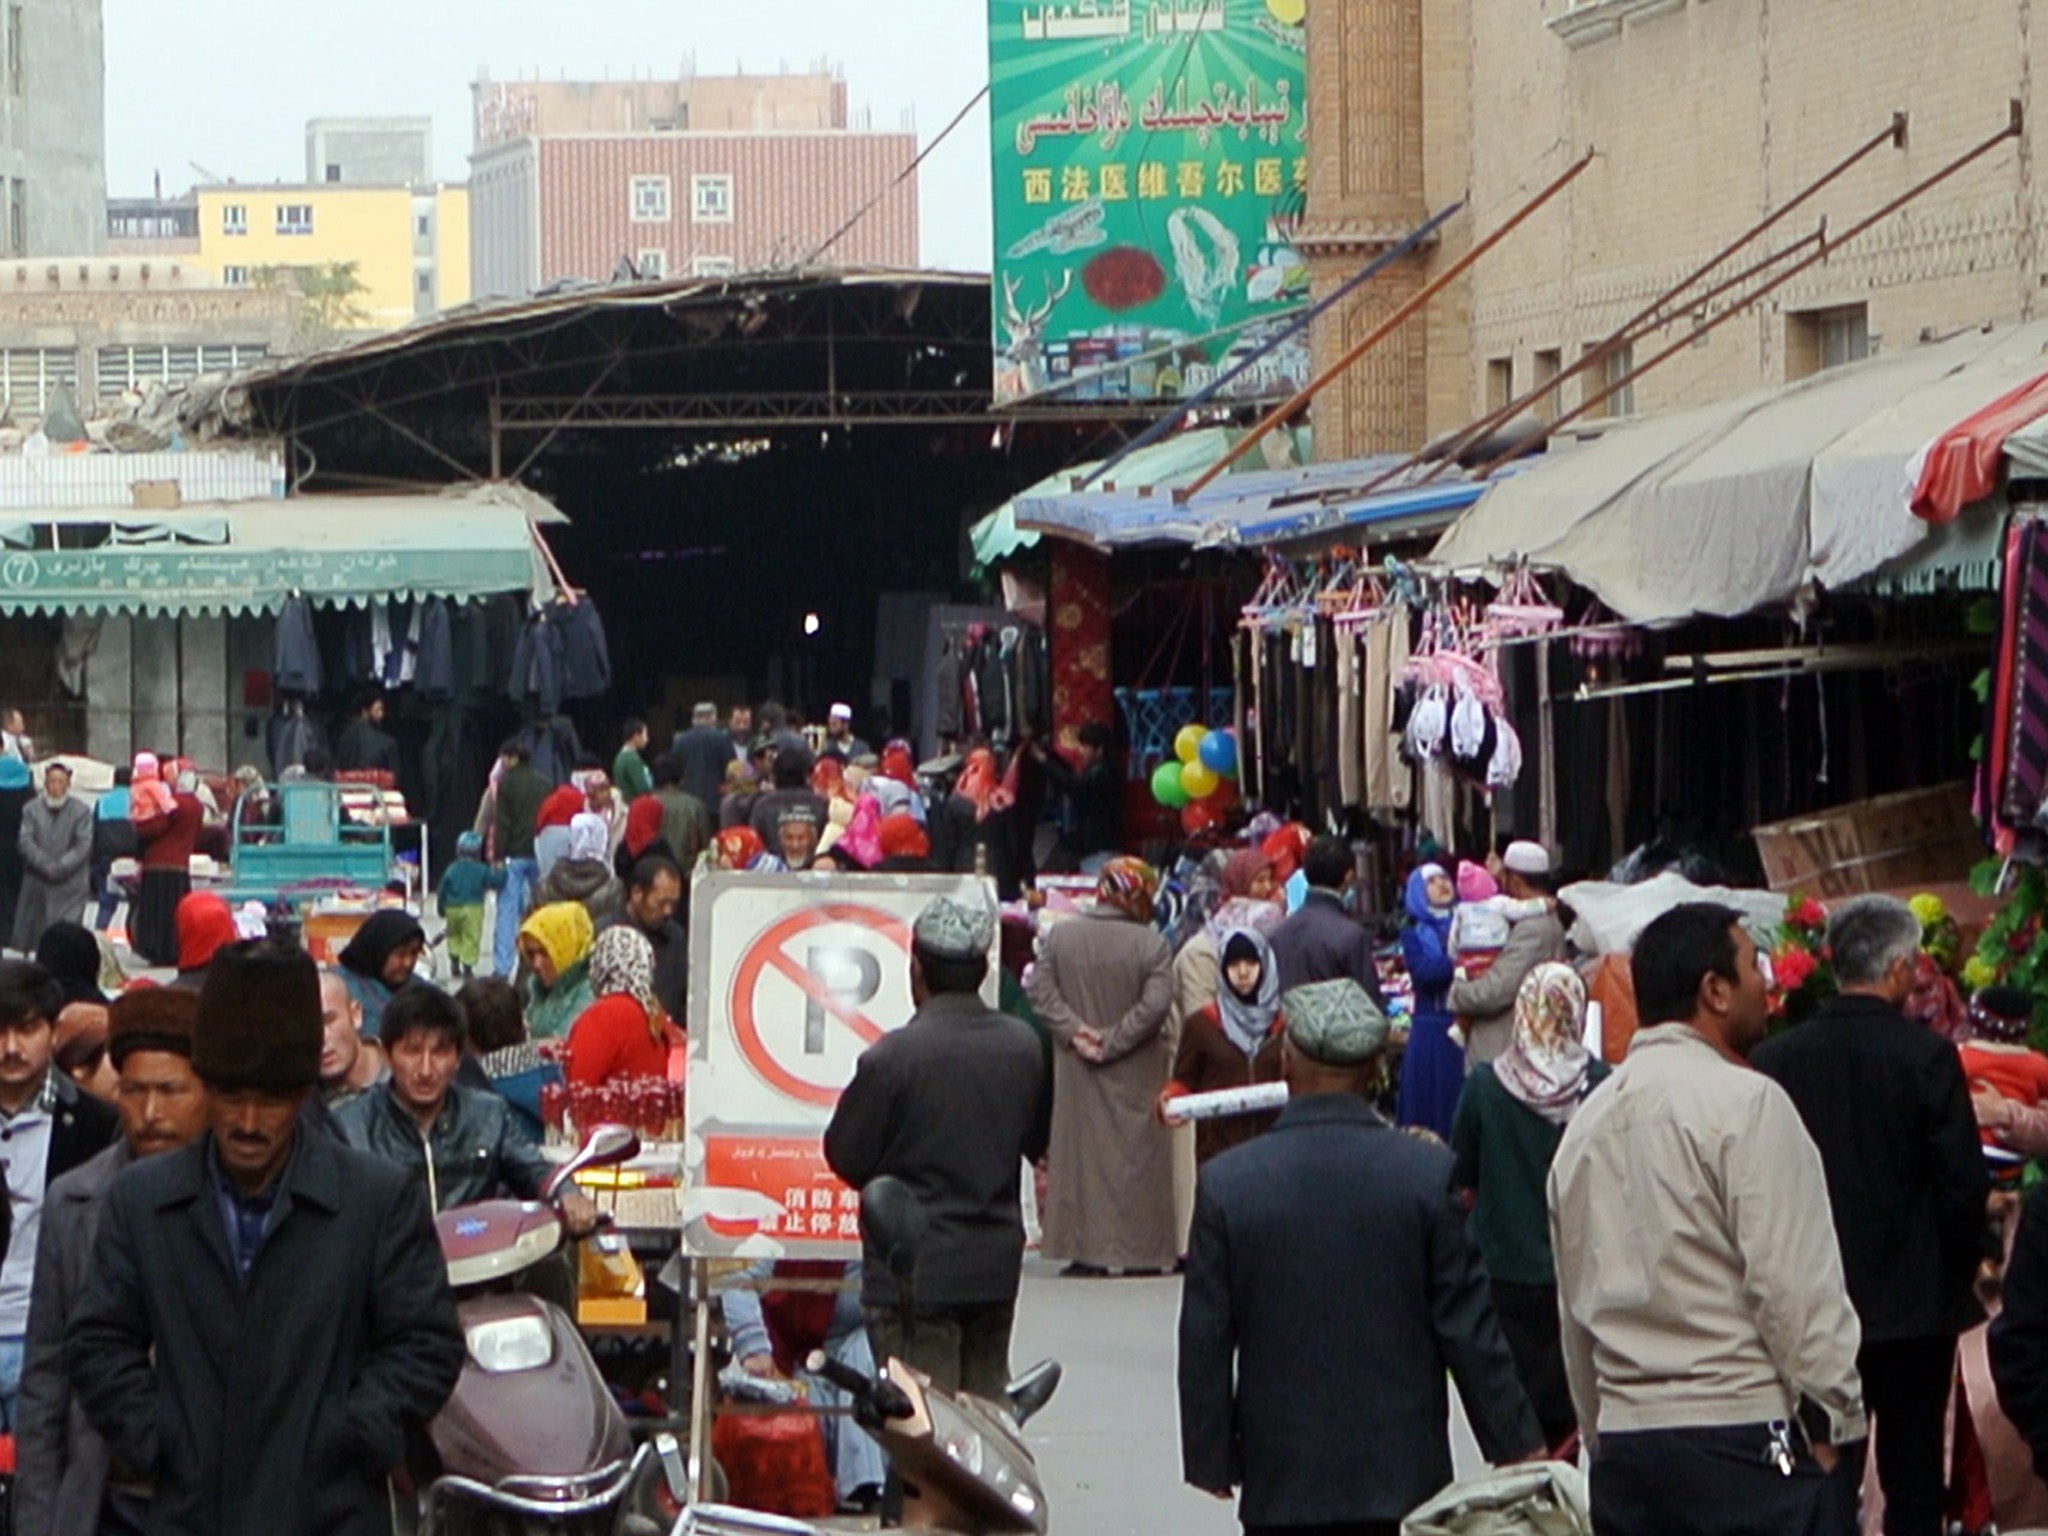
625, 1032
979, 817
1433, 1067
893, 783
1103, 988
1509, 1122
584, 871
554, 948
380, 960
167, 823
740, 848
1232, 1042
1247, 896
642, 835
71, 954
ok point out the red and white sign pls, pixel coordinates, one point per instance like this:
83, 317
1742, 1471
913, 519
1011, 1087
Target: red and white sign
791, 978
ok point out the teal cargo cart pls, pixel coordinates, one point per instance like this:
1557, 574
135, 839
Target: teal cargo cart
305, 848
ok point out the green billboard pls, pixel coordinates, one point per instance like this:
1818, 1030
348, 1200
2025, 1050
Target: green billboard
1150, 164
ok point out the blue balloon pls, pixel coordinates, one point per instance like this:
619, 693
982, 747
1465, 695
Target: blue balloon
1219, 753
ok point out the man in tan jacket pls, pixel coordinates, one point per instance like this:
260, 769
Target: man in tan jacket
1708, 1334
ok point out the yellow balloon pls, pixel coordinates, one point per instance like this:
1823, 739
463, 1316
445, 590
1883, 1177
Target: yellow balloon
1289, 13
1187, 746
1199, 780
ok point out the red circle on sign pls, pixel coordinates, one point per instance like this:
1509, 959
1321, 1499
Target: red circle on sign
765, 953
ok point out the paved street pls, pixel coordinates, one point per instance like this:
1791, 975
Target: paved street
1109, 1444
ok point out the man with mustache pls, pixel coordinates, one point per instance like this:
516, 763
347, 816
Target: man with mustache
62, 1462
269, 1317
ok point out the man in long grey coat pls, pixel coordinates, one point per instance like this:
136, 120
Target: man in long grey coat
56, 858
61, 1461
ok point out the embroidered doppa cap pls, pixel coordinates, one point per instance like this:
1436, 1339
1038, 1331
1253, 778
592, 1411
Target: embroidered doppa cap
952, 930
1334, 1022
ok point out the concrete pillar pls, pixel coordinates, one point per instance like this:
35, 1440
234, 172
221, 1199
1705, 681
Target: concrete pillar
110, 692
155, 685
203, 690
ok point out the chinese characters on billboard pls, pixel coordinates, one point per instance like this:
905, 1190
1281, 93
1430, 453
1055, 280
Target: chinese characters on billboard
1150, 164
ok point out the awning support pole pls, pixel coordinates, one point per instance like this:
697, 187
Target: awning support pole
1196, 401
2012, 129
1657, 314
1382, 331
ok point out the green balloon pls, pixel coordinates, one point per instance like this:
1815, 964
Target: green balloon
1166, 786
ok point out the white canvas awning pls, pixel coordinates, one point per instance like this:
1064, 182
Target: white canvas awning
1740, 505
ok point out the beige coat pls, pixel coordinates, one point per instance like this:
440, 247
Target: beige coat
1109, 1187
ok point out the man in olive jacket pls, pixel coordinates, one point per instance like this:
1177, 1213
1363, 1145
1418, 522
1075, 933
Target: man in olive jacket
269, 1318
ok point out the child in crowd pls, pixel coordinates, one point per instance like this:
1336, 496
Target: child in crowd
461, 899
1480, 926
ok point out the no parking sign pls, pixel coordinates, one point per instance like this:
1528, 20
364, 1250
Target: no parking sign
791, 978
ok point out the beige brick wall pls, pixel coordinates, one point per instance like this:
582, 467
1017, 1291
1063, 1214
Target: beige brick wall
1709, 113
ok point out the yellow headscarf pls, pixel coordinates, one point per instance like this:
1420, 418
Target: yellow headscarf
563, 929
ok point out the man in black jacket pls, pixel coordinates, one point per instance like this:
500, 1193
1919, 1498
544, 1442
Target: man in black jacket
269, 1316
1094, 795
2019, 1334
1885, 1101
1324, 940
953, 1103
48, 1127
1330, 1288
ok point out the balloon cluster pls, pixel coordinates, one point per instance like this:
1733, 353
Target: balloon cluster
1197, 782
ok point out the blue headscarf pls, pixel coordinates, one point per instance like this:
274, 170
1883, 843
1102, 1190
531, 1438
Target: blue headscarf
1416, 899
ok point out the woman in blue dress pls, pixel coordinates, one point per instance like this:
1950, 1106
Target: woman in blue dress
1433, 1068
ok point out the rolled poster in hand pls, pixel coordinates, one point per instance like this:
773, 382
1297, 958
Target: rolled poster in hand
1224, 1102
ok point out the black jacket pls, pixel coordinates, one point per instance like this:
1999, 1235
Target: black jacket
1330, 1287
2019, 1334
1321, 941
275, 1405
1885, 1101
950, 1103
480, 1150
703, 753
1094, 803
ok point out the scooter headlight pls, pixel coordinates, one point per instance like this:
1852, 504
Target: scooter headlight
510, 1344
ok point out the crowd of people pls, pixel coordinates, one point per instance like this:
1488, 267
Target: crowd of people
1734, 1273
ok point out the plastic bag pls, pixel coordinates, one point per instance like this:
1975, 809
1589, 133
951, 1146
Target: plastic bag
1506, 765
1468, 725
1425, 736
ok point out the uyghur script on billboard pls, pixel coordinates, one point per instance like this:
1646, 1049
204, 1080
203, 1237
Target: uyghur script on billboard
1150, 164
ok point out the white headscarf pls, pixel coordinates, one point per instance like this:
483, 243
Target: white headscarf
589, 835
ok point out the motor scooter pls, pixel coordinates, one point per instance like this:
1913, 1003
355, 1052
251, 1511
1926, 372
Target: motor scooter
531, 1443
962, 1461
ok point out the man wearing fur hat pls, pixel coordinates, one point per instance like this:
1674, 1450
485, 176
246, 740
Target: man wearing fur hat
269, 1317
62, 1462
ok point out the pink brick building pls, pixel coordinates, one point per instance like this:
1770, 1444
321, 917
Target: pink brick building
699, 175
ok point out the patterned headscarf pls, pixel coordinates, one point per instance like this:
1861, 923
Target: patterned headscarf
562, 928
1248, 1021
1128, 885
622, 963
1545, 1063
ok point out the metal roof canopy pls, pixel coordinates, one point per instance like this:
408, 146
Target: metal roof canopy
483, 391
239, 557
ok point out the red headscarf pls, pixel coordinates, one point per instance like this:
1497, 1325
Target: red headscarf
205, 926
898, 764
979, 785
643, 825
903, 838
828, 778
738, 847
1241, 869
1285, 848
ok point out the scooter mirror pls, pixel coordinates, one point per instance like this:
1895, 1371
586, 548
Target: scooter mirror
893, 1221
1033, 1390
605, 1146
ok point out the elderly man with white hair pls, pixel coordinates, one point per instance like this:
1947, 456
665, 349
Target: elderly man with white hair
1885, 1101
1486, 1004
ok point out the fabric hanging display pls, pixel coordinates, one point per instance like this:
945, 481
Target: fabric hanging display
295, 652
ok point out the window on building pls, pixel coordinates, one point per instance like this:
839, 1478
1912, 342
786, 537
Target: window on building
1546, 364
423, 226
423, 283
652, 262
28, 374
235, 277
711, 266
1500, 382
1826, 338
1615, 366
17, 216
649, 199
15, 60
711, 199
234, 219
333, 172
295, 218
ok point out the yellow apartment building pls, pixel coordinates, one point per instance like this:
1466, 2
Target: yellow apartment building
409, 245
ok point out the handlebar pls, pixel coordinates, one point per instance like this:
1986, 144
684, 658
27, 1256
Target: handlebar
881, 1396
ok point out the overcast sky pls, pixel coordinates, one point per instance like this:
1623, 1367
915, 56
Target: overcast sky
229, 84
